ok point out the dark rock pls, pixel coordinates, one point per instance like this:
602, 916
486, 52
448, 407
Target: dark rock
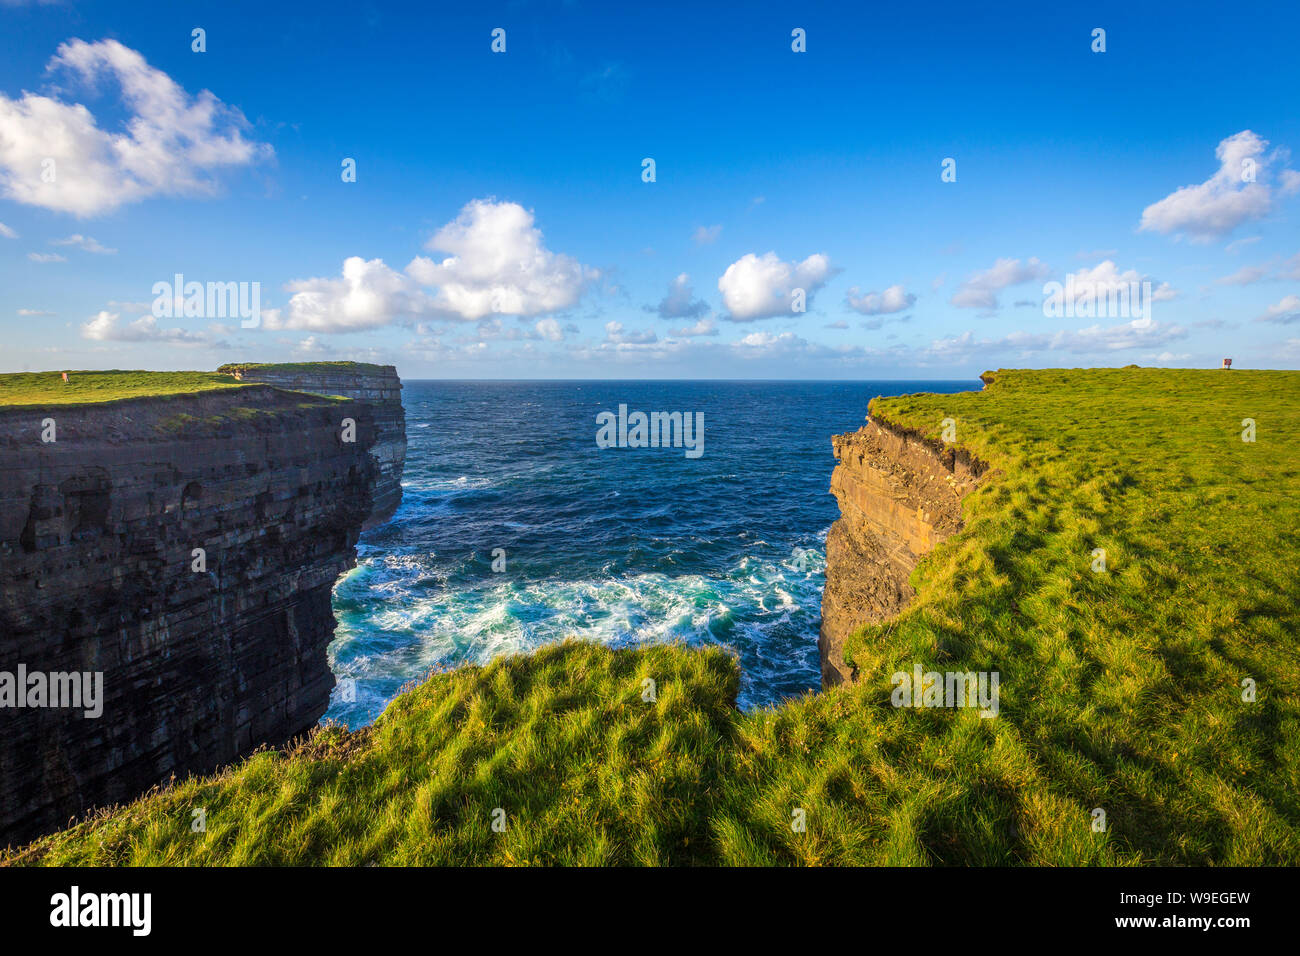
376, 385
97, 533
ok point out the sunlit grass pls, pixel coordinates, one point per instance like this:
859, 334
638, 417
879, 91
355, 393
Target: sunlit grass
48, 388
558, 750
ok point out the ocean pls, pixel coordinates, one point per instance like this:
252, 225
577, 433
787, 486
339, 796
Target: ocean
516, 530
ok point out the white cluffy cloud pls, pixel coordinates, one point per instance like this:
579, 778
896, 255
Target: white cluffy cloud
755, 287
498, 265
7, 232
680, 302
893, 299
1238, 192
615, 334
1284, 312
549, 329
980, 291
105, 327
368, 295
55, 155
86, 243
1090, 287
765, 340
702, 327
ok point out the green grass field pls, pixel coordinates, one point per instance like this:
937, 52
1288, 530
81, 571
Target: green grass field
84, 388
1121, 690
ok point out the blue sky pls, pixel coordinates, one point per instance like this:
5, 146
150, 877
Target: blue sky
499, 225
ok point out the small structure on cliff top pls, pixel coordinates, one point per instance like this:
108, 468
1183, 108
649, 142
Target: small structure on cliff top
1227, 363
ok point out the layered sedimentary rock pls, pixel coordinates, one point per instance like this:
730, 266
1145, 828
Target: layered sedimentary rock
899, 495
185, 548
376, 385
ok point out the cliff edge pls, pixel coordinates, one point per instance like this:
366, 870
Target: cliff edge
376, 385
179, 552
899, 495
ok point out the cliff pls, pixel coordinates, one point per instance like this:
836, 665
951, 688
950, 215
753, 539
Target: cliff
184, 548
899, 495
376, 385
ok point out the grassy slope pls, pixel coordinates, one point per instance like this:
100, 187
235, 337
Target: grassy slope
82, 388
1119, 690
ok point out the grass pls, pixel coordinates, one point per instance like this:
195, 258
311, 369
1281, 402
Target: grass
1120, 690
584, 769
40, 389
85, 388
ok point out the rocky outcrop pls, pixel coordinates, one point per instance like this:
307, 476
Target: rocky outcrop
185, 549
376, 385
899, 495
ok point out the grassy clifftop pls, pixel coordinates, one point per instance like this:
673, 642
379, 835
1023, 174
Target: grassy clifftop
37, 389
84, 388
1121, 689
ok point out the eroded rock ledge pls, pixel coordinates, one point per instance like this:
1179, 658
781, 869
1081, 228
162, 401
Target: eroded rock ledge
98, 573
900, 495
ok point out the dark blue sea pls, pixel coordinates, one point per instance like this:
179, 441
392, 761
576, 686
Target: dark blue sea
619, 545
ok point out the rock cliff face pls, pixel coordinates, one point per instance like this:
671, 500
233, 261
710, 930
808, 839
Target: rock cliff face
899, 496
376, 385
184, 548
